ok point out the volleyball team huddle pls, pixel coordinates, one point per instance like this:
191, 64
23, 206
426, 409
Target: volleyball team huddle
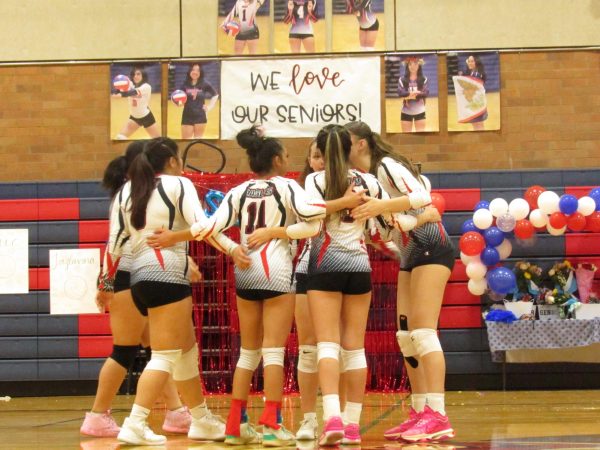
354, 190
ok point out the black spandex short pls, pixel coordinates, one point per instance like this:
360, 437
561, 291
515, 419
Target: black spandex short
300, 36
443, 258
257, 295
350, 283
409, 117
301, 280
152, 294
373, 27
193, 118
122, 278
147, 121
248, 35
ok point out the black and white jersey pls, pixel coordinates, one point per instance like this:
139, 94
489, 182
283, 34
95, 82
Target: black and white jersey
173, 205
275, 202
244, 12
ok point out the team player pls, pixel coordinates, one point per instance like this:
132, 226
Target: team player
367, 22
244, 13
339, 287
413, 90
301, 15
138, 98
193, 119
155, 196
129, 329
427, 258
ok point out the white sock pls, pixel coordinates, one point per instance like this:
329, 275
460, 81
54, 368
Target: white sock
98, 414
331, 406
198, 412
139, 414
418, 401
352, 412
180, 409
310, 415
436, 402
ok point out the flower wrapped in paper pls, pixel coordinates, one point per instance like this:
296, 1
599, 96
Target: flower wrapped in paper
529, 277
563, 277
584, 275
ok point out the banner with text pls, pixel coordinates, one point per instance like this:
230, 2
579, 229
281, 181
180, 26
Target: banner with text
297, 97
14, 261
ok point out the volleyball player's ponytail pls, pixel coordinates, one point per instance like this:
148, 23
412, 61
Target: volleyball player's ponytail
143, 172
260, 149
380, 149
115, 174
335, 143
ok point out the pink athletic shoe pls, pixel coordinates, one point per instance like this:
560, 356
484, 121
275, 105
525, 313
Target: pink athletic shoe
177, 421
432, 426
99, 425
333, 431
393, 434
351, 434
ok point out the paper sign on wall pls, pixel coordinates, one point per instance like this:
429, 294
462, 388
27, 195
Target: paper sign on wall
73, 275
14, 261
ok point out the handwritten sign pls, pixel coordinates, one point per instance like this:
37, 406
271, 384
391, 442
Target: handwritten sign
73, 275
14, 261
297, 97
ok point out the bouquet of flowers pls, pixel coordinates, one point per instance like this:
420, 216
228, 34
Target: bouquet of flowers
562, 276
529, 277
585, 277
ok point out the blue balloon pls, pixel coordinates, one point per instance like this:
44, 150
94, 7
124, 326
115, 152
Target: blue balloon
567, 204
493, 236
490, 256
483, 204
212, 199
501, 280
468, 225
595, 195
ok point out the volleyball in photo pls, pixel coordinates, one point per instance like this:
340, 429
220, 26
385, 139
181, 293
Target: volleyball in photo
121, 83
179, 97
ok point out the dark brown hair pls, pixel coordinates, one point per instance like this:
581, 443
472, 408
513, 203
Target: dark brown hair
260, 149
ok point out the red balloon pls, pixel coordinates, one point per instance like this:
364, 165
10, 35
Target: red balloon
576, 222
471, 243
524, 229
531, 195
558, 220
593, 222
438, 201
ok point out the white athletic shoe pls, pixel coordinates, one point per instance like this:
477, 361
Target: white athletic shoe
308, 429
136, 434
248, 435
207, 428
277, 438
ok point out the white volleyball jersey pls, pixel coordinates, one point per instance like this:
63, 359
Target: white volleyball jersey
302, 263
340, 247
244, 12
139, 105
275, 202
173, 205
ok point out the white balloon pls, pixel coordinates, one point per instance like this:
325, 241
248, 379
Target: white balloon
538, 218
518, 208
556, 231
504, 249
466, 259
476, 270
548, 202
477, 287
586, 205
483, 219
498, 207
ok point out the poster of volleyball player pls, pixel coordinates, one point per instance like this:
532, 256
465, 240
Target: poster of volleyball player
411, 93
473, 91
358, 25
194, 93
299, 26
135, 105
243, 27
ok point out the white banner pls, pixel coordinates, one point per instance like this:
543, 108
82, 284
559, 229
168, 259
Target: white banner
73, 276
297, 97
14, 261
470, 98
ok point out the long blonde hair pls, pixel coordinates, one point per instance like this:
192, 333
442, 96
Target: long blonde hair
335, 143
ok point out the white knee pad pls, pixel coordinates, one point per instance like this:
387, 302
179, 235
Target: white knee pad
307, 358
425, 341
273, 356
354, 359
405, 343
187, 366
328, 350
163, 360
249, 359
342, 365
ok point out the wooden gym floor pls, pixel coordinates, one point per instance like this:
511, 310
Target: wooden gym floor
482, 420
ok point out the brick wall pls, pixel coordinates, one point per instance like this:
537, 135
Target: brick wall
54, 121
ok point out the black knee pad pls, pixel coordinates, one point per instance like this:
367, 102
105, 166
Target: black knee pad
124, 354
